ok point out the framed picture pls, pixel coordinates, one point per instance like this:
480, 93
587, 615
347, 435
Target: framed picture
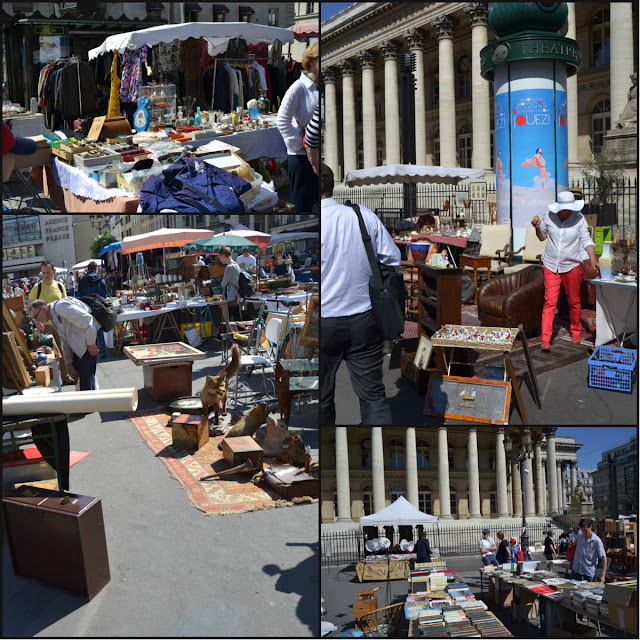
423, 354
310, 336
478, 190
461, 196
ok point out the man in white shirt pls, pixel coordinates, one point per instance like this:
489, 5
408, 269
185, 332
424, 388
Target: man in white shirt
348, 329
246, 261
487, 548
567, 235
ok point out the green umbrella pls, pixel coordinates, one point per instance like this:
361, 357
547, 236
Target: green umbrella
227, 240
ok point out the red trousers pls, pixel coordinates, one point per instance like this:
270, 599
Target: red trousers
552, 281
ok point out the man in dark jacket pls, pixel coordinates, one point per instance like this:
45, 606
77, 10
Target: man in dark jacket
93, 283
423, 550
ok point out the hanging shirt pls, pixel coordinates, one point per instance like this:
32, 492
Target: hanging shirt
132, 63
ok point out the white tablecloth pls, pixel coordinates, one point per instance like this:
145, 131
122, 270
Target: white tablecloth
616, 297
274, 305
80, 184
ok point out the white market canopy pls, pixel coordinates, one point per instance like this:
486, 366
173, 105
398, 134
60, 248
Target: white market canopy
162, 238
85, 263
217, 34
279, 238
401, 512
411, 174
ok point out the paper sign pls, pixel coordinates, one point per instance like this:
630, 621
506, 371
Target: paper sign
96, 128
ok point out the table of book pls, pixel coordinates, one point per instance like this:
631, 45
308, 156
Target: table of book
392, 567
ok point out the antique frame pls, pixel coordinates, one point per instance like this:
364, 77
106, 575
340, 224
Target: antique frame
424, 352
310, 336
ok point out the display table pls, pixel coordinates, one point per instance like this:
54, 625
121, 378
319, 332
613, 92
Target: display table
475, 263
393, 568
616, 310
75, 192
25, 125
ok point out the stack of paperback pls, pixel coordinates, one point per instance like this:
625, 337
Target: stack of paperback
487, 625
431, 624
592, 603
579, 597
458, 624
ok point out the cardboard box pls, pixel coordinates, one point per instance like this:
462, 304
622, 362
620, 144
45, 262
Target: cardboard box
40, 157
623, 604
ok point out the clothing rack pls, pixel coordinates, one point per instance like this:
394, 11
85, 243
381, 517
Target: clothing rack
76, 60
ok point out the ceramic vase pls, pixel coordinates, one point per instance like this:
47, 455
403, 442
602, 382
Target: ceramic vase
605, 260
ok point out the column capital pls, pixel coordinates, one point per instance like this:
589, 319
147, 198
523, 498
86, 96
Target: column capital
499, 429
367, 58
415, 38
551, 432
573, 463
390, 49
444, 25
347, 67
330, 74
477, 12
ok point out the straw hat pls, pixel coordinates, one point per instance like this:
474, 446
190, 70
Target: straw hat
566, 200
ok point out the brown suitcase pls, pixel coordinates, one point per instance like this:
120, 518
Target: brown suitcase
291, 482
57, 539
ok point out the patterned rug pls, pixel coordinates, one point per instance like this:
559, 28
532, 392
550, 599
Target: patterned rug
238, 494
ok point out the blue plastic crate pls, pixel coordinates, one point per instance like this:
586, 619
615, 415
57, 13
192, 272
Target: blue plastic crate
612, 368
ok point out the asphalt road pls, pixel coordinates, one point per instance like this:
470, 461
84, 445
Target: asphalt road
174, 571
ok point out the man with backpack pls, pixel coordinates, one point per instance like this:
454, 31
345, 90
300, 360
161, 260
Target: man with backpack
50, 290
78, 330
92, 282
238, 285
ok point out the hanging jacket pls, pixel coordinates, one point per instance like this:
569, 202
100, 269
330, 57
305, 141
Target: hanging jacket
217, 190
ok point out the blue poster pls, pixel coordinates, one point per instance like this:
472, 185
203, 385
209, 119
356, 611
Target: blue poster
502, 159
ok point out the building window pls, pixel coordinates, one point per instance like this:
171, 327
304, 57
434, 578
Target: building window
436, 148
219, 16
360, 156
453, 503
335, 503
600, 39
245, 16
492, 458
272, 19
379, 107
424, 498
422, 449
464, 146
451, 457
311, 8
493, 500
333, 455
435, 89
464, 77
600, 124
379, 152
19, 253
367, 500
396, 491
365, 450
396, 453
191, 16
20, 228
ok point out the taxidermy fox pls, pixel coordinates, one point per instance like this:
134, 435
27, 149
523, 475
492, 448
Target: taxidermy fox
214, 390
249, 424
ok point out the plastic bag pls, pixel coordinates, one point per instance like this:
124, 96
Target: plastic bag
192, 336
265, 199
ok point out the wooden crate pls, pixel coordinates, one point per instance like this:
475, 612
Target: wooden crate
168, 381
419, 378
15, 304
190, 432
365, 602
235, 451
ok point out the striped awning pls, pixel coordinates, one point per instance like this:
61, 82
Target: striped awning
246, 10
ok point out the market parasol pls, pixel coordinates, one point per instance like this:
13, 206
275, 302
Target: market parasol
411, 174
305, 28
114, 246
257, 237
84, 264
223, 239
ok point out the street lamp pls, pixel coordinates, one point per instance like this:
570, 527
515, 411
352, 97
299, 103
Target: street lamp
521, 455
99, 221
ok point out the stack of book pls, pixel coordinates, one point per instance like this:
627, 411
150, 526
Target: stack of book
431, 624
458, 624
487, 625
592, 604
578, 598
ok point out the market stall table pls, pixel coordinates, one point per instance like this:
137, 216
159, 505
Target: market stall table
167, 368
476, 262
616, 310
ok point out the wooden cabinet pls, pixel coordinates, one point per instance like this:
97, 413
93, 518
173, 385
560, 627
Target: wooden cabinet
439, 297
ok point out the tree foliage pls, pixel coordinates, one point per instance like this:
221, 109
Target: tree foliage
604, 170
99, 242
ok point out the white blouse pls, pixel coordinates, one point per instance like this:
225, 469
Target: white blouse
566, 241
296, 112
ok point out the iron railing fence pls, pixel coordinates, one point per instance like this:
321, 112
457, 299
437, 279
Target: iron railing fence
347, 547
619, 209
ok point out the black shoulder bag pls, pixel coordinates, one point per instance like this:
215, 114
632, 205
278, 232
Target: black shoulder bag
386, 289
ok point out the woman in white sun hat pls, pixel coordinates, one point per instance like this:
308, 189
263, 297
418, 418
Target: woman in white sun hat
567, 235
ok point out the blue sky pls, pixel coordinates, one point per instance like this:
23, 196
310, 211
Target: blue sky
596, 440
328, 9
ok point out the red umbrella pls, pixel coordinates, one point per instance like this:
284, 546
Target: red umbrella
305, 28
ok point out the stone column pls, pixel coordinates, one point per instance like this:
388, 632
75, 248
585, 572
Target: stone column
545, 509
572, 467
537, 452
509, 488
390, 50
377, 469
501, 474
443, 475
342, 476
474, 474
559, 470
572, 94
368, 62
516, 489
447, 95
412, 467
621, 29
529, 501
415, 39
480, 113
330, 138
552, 478
349, 145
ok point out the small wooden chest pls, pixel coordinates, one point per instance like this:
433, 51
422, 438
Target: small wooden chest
168, 381
190, 432
239, 450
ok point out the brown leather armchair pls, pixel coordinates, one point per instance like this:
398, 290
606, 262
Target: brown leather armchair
513, 299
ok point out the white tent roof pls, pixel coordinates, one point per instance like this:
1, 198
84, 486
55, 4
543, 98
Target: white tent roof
278, 238
217, 34
411, 173
401, 512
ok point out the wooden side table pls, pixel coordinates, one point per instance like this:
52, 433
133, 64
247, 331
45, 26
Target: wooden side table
476, 262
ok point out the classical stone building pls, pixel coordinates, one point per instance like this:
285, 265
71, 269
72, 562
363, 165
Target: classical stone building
454, 105
460, 473
626, 459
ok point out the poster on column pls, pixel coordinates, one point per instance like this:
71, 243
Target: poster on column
502, 160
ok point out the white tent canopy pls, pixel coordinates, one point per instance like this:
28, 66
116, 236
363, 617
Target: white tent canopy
411, 174
401, 512
217, 34
278, 238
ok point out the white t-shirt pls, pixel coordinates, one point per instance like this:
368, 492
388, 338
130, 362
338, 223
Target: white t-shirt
245, 263
485, 545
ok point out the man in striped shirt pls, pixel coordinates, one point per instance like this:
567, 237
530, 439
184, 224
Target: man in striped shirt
312, 140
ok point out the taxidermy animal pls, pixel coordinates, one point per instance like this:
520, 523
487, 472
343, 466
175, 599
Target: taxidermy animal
277, 433
245, 467
296, 453
214, 390
249, 424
